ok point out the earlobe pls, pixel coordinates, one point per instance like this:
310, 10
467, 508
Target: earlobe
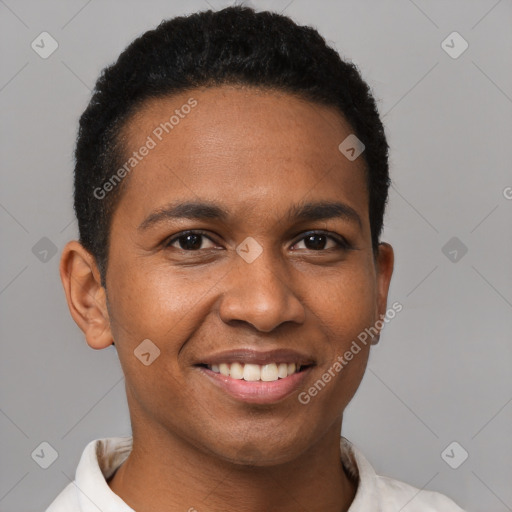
84, 294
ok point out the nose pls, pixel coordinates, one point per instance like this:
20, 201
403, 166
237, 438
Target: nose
260, 293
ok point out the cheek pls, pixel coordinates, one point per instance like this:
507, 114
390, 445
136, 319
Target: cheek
345, 308
345, 316
157, 306
150, 303
164, 306
345, 304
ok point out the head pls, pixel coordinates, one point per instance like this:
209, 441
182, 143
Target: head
239, 115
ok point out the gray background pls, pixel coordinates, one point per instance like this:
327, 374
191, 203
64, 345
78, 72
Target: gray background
441, 372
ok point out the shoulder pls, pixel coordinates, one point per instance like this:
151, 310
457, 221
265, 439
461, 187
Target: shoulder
397, 495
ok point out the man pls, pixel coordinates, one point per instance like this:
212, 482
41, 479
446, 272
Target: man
230, 184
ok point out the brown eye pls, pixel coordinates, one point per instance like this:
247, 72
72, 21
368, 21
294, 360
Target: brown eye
188, 241
317, 241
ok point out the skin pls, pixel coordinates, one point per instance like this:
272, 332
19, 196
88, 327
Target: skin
256, 153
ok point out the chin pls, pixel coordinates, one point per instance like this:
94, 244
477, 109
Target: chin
260, 452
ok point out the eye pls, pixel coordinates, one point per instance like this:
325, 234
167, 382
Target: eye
189, 241
317, 240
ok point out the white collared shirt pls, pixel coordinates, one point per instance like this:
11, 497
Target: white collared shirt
89, 492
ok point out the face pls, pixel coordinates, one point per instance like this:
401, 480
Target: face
253, 276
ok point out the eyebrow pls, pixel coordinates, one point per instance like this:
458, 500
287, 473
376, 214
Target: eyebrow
194, 210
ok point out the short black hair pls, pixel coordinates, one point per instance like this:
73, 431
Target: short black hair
235, 45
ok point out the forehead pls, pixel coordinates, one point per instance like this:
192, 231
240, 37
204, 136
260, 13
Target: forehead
242, 118
238, 146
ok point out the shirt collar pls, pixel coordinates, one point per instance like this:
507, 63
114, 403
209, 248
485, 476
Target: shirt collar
102, 457
360, 470
99, 461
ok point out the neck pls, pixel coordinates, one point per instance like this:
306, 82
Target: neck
165, 473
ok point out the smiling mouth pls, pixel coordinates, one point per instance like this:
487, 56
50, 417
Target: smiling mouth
256, 372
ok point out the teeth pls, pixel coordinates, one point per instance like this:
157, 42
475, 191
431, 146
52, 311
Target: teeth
236, 371
254, 372
269, 372
282, 370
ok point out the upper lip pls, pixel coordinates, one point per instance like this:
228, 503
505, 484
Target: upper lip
251, 356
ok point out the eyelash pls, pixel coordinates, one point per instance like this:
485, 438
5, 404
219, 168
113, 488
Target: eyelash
342, 243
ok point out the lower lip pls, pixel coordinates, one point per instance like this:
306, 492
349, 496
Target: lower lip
257, 392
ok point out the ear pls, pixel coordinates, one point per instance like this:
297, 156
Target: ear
85, 296
384, 269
